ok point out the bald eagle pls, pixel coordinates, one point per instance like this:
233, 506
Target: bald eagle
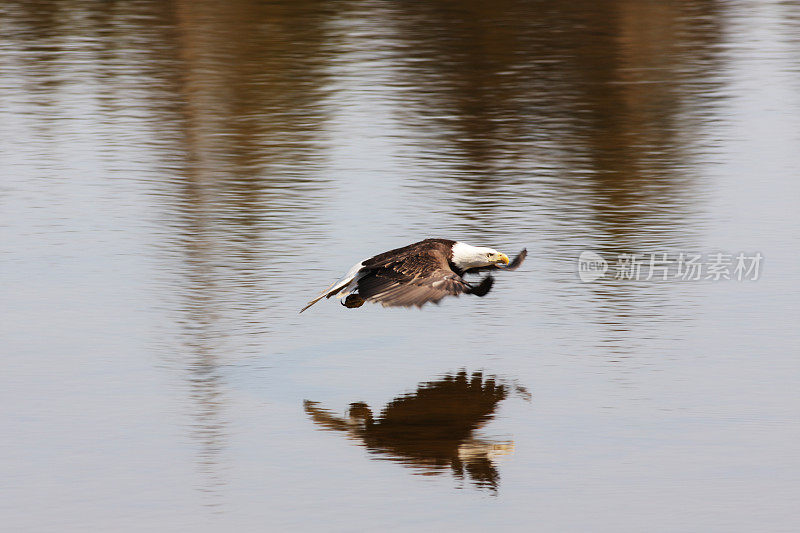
423, 272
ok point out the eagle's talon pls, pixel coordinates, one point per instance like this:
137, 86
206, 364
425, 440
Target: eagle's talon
352, 301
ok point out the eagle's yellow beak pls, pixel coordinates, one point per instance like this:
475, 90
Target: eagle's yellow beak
502, 258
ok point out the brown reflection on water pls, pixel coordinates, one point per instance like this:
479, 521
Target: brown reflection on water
642, 105
246, 115
431, 430
223, 108
595, 102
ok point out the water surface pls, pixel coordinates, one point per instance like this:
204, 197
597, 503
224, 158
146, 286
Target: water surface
179, 178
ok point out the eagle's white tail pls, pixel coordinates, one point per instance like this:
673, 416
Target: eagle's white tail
340, 286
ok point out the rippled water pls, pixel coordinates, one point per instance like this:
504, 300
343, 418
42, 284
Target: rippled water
179, 178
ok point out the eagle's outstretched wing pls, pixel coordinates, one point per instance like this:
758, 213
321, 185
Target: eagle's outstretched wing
513, 265
391, 286
517, 261
406, 279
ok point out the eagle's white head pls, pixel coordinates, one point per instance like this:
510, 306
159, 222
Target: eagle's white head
466, 256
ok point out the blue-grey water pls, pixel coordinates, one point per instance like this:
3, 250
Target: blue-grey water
178, 178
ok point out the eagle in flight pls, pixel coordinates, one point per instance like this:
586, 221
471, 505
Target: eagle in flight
414, 275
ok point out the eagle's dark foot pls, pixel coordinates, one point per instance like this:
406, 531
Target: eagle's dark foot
482, 288
353, 300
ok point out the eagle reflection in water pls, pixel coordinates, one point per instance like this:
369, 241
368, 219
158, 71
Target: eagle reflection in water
432, 429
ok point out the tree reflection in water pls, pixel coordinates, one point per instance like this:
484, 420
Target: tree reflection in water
432, 429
